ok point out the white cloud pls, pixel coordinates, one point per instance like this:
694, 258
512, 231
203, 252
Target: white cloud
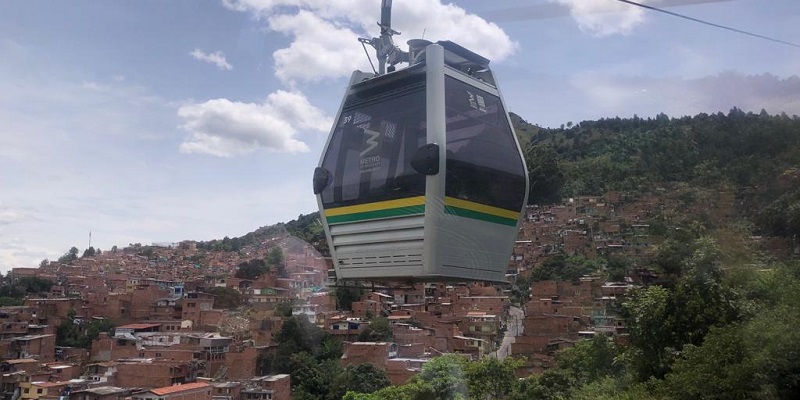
225, 128
10, 216
324, 34
450, 22
216, 58
319, 50
604, 17
624, 96
14, 255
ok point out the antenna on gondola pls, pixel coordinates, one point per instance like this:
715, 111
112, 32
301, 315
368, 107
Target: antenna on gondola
385, 49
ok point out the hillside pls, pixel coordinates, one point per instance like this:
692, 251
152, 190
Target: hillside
640, 234
756, 156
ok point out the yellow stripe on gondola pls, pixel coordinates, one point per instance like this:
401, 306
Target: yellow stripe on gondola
482, 208
378, 206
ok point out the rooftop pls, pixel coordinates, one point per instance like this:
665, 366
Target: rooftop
50, 384
179, 388
104, 390
270, 378
138, 326
30, 337
20, 361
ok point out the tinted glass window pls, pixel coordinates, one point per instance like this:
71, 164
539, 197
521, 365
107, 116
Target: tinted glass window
376, 136
483, 163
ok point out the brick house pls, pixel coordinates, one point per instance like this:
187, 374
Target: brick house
188, 391
101, 393
375, 353
39, 347
268, 387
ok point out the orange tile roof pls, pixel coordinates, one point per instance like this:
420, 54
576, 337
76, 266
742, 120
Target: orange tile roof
179, 388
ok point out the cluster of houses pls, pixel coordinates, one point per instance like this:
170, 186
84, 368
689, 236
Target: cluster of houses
171, 340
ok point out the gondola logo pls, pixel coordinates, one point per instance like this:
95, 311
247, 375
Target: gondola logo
370, 155
476, 101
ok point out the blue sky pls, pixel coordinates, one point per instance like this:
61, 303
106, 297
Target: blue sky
160, 121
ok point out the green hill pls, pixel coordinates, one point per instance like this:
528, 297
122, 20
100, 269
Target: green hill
755, 155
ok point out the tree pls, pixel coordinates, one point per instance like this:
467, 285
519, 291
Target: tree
661, 322
275, 260
563, 268
226, 298
283, 309
378, 330
251, 269
73, 332
617, 268
491, 378
591, 360
361, 378
299, 335
26, 285
69, 256
717, 369
10, 301
275, 256
646, 312
445, 376
442, 378
552, 384
345, 296
307, 376
545, 175
90, 252
330, 348
414, 390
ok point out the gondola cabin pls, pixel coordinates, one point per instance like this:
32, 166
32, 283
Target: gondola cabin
422, 177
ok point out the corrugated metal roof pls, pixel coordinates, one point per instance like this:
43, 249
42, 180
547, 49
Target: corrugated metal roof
138, 326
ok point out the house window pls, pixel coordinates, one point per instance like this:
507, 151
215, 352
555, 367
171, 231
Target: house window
39, 391
27, 390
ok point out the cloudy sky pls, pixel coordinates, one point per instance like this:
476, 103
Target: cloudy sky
159, 121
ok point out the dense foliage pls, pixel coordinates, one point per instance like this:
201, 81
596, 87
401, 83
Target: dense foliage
251, 269
708, 335
309, 229
719, 322
250, 239
757, 155
75, 332
312, 356
225, 297
14, 290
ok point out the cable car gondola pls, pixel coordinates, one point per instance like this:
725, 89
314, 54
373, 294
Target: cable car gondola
422, 177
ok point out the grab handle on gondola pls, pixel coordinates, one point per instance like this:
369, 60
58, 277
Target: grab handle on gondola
426, 159
322, 178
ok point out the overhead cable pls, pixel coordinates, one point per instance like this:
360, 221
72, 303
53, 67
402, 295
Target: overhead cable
633, 3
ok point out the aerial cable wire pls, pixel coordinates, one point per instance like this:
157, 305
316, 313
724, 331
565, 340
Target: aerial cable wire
633, 3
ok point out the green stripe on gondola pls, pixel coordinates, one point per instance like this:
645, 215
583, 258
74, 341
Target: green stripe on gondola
377, 214
462, 212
